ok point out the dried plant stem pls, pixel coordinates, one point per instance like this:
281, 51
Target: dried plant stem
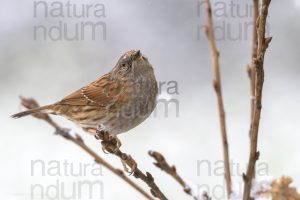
251, 67
110, 145
218, 89
171, 170
31, 103
263, 44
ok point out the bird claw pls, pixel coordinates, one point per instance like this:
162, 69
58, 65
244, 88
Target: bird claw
115, 140
108, 146
104, 151
133, 168
102, 134
126, 169
110, 143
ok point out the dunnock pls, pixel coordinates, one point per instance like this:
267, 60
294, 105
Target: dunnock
115, 103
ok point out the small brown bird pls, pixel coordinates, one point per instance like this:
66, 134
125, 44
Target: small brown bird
115, 103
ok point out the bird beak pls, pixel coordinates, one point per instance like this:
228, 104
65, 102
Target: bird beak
137, 54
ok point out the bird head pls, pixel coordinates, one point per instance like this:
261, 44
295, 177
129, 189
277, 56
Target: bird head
132, 64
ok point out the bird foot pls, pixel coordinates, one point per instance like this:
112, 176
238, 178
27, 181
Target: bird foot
110, 143
101, 134
129, 162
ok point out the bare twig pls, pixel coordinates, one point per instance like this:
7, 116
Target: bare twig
171, 170
110, 145
31, 103
251, 67
263, 44
218, 89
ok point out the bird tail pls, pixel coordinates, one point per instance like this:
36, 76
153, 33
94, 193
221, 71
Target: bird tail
43, 109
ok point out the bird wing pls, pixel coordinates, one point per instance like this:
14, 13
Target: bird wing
101, 92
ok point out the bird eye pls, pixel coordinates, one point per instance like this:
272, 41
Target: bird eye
125, 67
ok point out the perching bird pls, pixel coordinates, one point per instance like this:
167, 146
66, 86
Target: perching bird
115, 103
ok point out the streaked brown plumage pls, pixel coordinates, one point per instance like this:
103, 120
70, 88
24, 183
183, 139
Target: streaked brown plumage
116, 102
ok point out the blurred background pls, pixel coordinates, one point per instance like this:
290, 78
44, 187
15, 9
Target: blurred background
47, 53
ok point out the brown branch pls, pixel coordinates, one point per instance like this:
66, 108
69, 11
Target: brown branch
218, 90
109, 144
251, 67
171, 170
31, 103
263, 44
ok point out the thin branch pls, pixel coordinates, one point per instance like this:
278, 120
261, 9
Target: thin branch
218, 90
251, 67
263, 44
110, 144
31, 103
171, 170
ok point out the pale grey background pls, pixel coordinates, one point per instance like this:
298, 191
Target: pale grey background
166, 32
